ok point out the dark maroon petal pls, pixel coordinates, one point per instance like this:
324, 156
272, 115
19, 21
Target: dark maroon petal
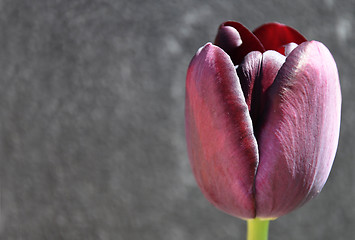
248, 72
221, 146
228, 38
271, 64
237, 41
256, 73
275, 35
299, 137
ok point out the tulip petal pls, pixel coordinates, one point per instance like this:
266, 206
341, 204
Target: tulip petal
248, 72
298, 140
289, 48
256, 73
237, 41
271, 64
221, 145
275, 35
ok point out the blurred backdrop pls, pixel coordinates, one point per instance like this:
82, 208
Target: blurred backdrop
92, 119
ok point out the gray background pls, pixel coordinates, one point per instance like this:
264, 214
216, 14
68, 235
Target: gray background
92, 125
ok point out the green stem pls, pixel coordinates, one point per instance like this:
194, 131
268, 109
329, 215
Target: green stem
258, 229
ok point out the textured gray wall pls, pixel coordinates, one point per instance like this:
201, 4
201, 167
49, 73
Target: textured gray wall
92, 126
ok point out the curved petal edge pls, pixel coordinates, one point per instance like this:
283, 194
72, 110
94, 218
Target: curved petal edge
222, 148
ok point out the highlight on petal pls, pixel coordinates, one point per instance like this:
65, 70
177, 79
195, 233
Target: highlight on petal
221, 146
237, 43
228, 38
289, 48
298, 140
274, 36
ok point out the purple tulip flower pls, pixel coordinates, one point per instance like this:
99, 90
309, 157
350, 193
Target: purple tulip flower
262, 119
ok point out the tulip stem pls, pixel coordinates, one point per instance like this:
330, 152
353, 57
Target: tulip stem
258, 229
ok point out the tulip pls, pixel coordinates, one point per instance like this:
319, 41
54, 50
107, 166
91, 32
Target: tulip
262, 116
